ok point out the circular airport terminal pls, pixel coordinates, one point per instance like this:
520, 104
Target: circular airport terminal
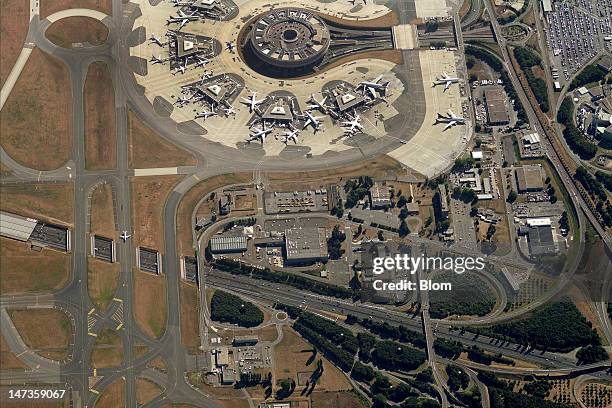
286, 42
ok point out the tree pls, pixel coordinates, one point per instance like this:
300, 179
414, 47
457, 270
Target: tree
403, 229
334, 243
512, 197
403, 213
591, 354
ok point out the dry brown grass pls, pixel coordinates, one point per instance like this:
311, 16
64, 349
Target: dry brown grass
50, 202
189, 315
150, 303
108, 350
146, 391
191, 198
102, 213
342, 399
291, 355
149, 195
70, 30
100, 128
65, 403
8, 360
149, 150
158, 364
48, 7
24, 270
102, 279
34, 326
36, 121
113, 396
13, 31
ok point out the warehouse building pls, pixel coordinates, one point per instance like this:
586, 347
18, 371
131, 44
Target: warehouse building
16, 227
228, 245
497, 110
37, 232
305, 245
380, 196
529, 178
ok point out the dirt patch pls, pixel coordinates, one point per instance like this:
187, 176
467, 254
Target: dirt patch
149, 150
49, 202
48, 7
35, 122
146, 391
343, 399
291, 356
76, 30
388, 20
108, 350
189, 316
102, 213
190, 200
113, 396
100, 128
24, 270
34, 326
65, 403
148, 198
102, 279
150, 303
8, 360
158, 364
13, 31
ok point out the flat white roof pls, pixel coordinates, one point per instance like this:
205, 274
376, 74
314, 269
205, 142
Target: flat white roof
16, 227
477, 154
538, 222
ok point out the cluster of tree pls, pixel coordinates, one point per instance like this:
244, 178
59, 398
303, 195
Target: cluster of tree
297, 281
337, 355
503, 398
403, 229
492, 61
457, 378
538, 388
337, 334
448, 348
471, 296
557, 326
573, 136
390, 355
591, 354
463, 163
604, 178
338, 209
431, 26
514, 15
228, 308
362, 372
591, 73
356, 190
467, 195
286, 388
334, 243
382, 386
527, 59
564, 221
389, 331
442, 221
592, 184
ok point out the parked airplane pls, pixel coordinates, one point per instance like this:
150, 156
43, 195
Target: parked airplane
354, 124
451, 120
201, 61
314, 121
291, 135
445, 80
251, 102
205, 114
182, 18
230, 110
124, 236
373, 86
181, 68
156, 40
158, 60
182, 101
229, 46
259, 134
315, 104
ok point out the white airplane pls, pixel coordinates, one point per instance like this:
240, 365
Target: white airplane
205, 114
158, 60
201, 61
260, 134
291, 135
182, 101
445, 80
124, 236
182, 18
179, 3
373, 86
451, 120
229, 46
156, 40
354, 124
312, 120
229, 110
315, 104
181, 68
252, 102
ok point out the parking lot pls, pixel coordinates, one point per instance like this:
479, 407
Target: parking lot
575, 33
296, 201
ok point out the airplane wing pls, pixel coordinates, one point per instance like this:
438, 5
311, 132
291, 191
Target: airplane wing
448, 125
448, 84
372, 92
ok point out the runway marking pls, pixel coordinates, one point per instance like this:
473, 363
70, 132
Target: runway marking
92, 334
118, 300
